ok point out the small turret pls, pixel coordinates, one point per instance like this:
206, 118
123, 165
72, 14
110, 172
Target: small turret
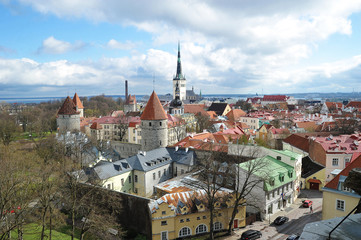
68, 118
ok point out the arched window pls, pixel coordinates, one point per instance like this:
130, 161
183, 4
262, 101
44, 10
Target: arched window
217, 226
185, 231
201, 229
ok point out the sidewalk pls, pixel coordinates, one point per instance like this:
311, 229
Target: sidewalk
289, 211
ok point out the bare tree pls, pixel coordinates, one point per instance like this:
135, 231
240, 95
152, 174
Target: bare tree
16, 191
250, 175
211, 177
123, 127
202, 122
9, 129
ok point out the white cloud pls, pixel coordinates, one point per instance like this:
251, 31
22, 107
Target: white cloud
114, 44
55, 46
229, 46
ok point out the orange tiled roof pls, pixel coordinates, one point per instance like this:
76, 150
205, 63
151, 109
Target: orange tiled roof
235, 114
195, 109
154, 109
68, 107
212, 114
77, 101
311, 126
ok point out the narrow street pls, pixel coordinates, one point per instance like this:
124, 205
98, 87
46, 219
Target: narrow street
298, 218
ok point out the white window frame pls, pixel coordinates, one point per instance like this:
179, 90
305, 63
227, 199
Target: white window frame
333, 161
217, 226
188, 233
204, 228
166, 235
344, 205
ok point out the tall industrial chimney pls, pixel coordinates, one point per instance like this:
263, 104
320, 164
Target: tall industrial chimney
126, 89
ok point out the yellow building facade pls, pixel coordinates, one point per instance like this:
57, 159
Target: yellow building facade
185, 214
338, 203
317, 178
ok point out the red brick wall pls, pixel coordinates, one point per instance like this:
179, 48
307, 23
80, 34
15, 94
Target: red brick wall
317, 153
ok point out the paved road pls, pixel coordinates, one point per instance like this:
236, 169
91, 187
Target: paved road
298, 216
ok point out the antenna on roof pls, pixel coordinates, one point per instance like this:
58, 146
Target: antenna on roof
153, 82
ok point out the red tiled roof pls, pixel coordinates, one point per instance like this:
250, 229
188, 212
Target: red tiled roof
154, 109
336, 105
96, 126
134, 123
279, 130
77, 101
272, 98
298, 141
131, 99
334, 182
354, 104
68, 107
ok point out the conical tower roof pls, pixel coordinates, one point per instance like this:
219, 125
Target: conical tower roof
68, 107
77, 102
154, 109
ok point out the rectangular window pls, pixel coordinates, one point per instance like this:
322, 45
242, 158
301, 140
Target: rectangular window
158, 174
181, 221
340, 205
334, 161
268, 195
163, 223
130, 179
165, 172
163, 212
153, 176
122, 181
273, 194
187, 220
164, 235
136, 178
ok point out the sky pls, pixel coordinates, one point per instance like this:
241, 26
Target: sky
53, 48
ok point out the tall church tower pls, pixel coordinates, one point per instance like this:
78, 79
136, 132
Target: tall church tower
179, 79
154, 124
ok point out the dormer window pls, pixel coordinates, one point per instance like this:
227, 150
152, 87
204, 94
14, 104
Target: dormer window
278, 157
272, 181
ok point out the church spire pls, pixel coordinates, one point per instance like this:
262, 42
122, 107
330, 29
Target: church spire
179, 74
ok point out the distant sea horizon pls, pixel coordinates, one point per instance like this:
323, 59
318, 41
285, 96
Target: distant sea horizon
334, 96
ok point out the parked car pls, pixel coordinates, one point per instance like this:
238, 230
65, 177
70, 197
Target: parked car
280, 220
293, 237
251, 234
307, 203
